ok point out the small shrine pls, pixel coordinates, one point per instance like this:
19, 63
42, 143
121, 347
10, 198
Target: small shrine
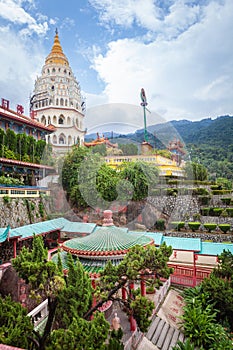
176, 147
100, 141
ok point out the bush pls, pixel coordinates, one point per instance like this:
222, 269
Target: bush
204, 200
160, 224
6, 199
177, 225
217, 211
226, 201
209, 226
205, 211
200, 191
219, 192
194, 226
224, 227
230, 212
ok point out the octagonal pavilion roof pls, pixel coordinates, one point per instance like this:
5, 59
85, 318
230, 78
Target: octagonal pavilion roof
105, 242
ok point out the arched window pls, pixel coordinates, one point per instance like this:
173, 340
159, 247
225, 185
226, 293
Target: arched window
54, 70
49, 120
69, 140
61, 119
62, 139
57, 102
61, 102
66, 103
68, 121
54, 139
54, 120
43, 120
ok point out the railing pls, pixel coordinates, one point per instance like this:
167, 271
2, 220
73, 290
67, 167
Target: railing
23, 191
39, 313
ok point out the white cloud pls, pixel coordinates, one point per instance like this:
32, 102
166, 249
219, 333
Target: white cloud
12, 11
188, 76
20, 64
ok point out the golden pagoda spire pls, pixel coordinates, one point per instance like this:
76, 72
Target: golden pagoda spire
56, 55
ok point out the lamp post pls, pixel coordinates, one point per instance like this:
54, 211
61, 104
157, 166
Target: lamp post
144, 104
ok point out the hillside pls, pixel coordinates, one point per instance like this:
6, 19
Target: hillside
208, 141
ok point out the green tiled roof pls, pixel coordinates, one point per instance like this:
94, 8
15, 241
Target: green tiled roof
78, 227
107, 239
4, 233
193, 244
38, 228
210, 248
90, 265
156, 236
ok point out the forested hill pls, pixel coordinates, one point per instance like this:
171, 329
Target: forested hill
209, 141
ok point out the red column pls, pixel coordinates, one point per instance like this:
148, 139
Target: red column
14, 247
143, 287
133, 324
124, 293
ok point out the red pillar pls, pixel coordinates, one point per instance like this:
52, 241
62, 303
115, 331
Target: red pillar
143, 287
14, 248
133, 324
124, 293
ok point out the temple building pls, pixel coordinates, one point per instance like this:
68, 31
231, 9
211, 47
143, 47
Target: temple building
57, 100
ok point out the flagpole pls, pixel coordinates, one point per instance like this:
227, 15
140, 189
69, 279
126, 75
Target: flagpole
144, 104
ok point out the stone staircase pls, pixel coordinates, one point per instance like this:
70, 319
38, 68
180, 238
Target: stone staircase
163, 335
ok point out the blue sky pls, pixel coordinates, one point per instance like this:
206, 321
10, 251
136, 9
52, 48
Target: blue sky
179, 51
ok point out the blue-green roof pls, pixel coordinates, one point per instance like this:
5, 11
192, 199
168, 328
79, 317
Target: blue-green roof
79, 227
38, 228
210, 248
156, 236
193, 244
4, 233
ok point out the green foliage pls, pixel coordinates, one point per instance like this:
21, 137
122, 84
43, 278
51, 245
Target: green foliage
106, 182
201, 328
226, 201
76, 298
225, 184
142, 309
115, 340
81, 335
15, 326
7, 180
6, 199
24, 147
128, 149
194, 226
224, 227
210, 227
196, 171
200, 191
142, 176
185, 346
160, 224
101, 149
177, 225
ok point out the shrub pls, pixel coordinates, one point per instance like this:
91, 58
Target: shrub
224, 227
160, 224
172, 191
219, 192
204, 200
194, 226
230, 212
6, 199
217, 211
200, 191
205, 211
177, 225
226, 201
209, 226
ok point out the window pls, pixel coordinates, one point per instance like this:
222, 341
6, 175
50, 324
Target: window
62, 139
61, 120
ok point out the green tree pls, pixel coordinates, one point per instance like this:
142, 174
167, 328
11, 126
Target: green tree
140, 263
15, 326
129, 149
106, 182
69, 297
196, 171
142, 176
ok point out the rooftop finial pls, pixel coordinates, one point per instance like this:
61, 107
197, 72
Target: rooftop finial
56, 31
